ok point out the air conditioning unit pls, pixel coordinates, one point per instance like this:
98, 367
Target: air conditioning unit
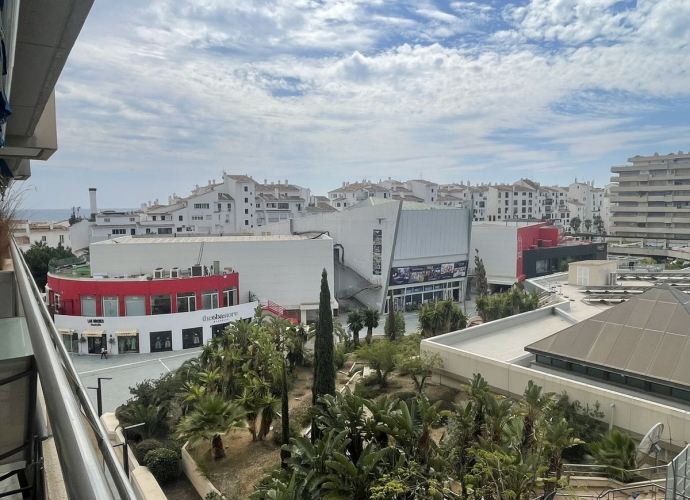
228, 270
175, 272
197, 270
613, 279
158, 273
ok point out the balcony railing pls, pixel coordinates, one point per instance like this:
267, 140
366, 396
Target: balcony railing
90, 467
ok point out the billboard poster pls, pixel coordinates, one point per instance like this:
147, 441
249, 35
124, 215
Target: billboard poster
376, 253
432, 272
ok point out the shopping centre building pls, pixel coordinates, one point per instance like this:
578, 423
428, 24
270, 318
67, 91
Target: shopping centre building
150, 294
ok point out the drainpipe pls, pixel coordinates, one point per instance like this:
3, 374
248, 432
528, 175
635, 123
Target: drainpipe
613, 409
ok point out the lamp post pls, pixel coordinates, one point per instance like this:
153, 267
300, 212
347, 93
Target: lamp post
125, 449
99, 399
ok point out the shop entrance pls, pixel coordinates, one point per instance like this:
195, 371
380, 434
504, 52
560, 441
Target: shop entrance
96, 344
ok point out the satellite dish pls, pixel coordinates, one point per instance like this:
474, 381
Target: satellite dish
650, 443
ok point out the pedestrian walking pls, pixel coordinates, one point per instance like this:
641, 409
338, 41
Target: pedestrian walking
104, 353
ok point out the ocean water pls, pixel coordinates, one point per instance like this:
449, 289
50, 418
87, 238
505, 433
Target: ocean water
57, 214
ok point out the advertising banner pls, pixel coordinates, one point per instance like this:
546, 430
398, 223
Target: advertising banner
376, 261
432, 272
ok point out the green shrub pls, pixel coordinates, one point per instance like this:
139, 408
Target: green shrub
213, 496
399, 326
164, 464
142, 449
339, 357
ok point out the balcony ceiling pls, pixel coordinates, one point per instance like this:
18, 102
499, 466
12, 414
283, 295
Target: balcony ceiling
45, 36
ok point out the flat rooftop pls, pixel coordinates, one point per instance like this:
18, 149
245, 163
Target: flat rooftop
505, 339
145, 240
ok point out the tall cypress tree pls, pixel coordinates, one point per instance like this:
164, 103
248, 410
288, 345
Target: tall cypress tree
390, 320
285, 418
324, 369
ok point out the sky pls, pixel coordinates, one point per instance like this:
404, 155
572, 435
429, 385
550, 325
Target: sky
160, 95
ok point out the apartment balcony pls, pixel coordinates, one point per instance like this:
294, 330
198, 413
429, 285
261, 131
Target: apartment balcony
56, 445
630, 218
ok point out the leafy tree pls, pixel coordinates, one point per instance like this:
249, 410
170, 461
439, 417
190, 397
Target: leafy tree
418, 365
598, 224
563, 266
371, 321
575, 224
480, 283
583, 419
439, 317
588, 224
532, 407
38, 257
355, 323
153, 418
324, 370
558, 437
211, 417
381, 356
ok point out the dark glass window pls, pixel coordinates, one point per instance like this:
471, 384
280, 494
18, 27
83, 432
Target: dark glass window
192, 337
160, 304
680, 394
161, 341
558, 363
615, 377
577, 368
595, 372
543, 359
635, 382
660, 389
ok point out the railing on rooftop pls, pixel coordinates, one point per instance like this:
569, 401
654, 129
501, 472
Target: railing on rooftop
90, 467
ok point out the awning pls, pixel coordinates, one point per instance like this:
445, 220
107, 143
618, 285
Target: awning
127, 332
66, 331
92, 333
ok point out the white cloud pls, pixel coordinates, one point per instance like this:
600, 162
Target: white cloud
346, 88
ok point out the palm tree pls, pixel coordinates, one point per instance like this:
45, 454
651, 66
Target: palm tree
575, 223
371, 321
588, 224
617, 451
532, 406
212, 416
355, 323
557, 438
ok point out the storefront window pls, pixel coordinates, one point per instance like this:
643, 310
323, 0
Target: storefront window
160, 304
128, 343
192, 337
88, 305
186, 302
135, 305
542, 266
229, 297
161, 341
217, 330
209, 299
110, 306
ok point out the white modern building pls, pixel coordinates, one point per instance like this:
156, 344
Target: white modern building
285, 270
411, 251
631, 359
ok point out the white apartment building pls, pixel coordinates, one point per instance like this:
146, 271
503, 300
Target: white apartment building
591, 197
454, 195
51, 233
350, 194
236, 205
652, 198
479, 202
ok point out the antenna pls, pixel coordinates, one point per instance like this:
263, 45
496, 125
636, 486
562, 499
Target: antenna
650, 444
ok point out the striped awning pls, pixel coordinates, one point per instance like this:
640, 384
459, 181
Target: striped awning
126, 332
92, 333
66, 331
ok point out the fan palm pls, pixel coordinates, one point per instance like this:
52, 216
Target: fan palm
355, 323
211, 417
371, 321
617, 451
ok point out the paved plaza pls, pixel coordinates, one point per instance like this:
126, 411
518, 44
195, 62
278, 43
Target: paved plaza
125, 370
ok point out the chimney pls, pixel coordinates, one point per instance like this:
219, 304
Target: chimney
276, 193
286, 182
92, 198
143, 206
343, 183
169, 200
50, 225
265, 181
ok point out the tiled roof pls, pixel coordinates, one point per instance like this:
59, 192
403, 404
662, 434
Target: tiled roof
646, 337
422, 181
321, 206
355, 186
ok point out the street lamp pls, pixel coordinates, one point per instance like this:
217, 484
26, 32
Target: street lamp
99, 399
125, 449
